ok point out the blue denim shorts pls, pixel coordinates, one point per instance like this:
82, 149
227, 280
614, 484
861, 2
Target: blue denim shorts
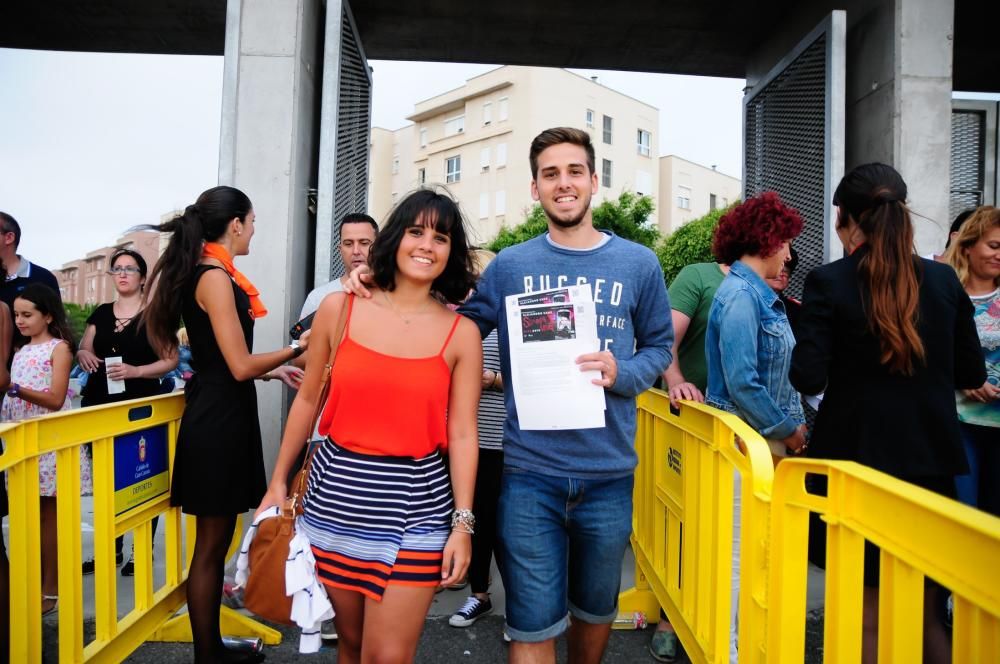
561, 546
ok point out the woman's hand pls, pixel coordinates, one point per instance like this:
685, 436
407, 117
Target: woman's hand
276, 494
123, 371
457, 554
356, 280
489, 377
289, 375
88, 360
985, 394
796, 443
304, 340
687, 391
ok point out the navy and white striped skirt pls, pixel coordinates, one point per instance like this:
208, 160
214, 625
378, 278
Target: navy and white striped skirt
374, 520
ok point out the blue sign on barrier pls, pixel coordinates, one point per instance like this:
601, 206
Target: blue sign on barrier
141, 471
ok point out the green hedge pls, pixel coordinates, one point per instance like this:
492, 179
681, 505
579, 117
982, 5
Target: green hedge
691, 243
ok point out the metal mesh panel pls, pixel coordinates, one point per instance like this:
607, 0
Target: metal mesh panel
785, 139
353, 121
968, 157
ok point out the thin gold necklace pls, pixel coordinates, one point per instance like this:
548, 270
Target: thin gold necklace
399, 313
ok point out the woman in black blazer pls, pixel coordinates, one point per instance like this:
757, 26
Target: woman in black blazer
889, 337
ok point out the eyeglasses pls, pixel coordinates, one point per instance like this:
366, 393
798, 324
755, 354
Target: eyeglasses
126, 269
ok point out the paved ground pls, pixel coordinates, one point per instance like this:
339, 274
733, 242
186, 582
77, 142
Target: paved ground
480, 644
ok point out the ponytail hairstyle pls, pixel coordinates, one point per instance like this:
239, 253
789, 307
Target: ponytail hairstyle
205, 221
874, 197
47, 303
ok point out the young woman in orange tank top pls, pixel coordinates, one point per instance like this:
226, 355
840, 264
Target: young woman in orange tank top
386, 524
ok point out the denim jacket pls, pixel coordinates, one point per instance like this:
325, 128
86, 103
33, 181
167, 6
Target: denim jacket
748, 349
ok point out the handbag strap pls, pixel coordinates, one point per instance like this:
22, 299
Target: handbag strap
303, 475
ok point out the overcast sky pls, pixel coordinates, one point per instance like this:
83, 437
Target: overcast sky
92, 144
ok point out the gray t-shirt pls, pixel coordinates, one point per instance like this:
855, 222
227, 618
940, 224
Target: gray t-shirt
317, 294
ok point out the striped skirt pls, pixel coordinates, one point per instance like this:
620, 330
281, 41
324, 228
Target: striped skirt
375, 520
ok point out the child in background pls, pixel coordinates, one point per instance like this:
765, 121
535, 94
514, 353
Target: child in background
39, 383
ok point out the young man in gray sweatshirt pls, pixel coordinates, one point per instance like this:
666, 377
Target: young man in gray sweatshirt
565, 511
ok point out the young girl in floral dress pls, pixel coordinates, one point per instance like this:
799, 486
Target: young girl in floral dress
39, 381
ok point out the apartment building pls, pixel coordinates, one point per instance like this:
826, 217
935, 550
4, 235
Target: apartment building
86, 280
475, 140
689, 190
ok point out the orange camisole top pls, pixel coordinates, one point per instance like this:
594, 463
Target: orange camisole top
386, 405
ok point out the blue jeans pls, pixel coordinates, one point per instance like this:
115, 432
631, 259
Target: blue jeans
561, 545
981, 487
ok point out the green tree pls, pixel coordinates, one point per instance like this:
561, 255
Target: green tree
628, 216
77, 316
691, 243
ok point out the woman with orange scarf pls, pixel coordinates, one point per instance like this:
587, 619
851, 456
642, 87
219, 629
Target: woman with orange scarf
219, 465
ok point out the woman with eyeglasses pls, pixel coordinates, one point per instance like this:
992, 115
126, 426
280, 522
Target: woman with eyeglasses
113, 332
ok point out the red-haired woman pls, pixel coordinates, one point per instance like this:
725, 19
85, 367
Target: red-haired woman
890, 337
748, 344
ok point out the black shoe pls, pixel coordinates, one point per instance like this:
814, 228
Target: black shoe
473, 609
128, 569
88, 565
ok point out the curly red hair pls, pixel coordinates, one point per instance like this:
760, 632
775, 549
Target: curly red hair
758, 227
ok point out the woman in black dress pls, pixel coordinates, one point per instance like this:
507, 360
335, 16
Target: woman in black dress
890, 337
113, 331
218, 471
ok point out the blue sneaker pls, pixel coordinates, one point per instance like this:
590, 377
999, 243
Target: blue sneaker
663, 647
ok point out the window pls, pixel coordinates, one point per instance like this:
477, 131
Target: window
453, 169
644, 139
484, 159
608, 126
500, 207
484, 205
454, 126
487, 113
711, 202
502, 109
423, 138
684, 202
643, 182
501, 155
605, 173
590, 118
725, 202
395, 164
100, 264
422, 176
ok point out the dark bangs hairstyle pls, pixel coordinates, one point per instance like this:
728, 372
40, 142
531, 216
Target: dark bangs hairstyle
756, 227
426, 207
873, 196
140, 262
47, 303
204, 221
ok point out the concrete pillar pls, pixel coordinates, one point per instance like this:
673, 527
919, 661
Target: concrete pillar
269, 149
898, 92
899, 89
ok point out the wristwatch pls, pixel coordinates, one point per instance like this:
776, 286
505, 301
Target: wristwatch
297, 348
14, 390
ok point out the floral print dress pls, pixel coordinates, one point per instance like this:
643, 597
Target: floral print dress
32, 368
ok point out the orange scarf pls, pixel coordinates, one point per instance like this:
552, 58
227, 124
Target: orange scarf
219, 253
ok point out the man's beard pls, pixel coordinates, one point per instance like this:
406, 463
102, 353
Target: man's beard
568, 223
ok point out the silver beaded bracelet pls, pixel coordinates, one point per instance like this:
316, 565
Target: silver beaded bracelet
463, 521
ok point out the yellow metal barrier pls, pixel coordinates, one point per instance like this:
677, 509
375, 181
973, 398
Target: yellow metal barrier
682, 529
65, 433
920, 534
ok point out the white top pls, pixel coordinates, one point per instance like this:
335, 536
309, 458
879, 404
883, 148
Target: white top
315, 297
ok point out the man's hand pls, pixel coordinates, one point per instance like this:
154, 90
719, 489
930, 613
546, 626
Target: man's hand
603, 361
354, 282
686, 391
